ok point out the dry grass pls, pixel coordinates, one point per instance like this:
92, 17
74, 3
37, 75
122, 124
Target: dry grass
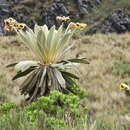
11, 51
97, 78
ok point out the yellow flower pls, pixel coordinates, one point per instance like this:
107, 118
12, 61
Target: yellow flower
9, 21
9, 28
12, 20
80, 26
62, 19
6, 29
11, 24
124, 86
6, 22
20, 26
72, 26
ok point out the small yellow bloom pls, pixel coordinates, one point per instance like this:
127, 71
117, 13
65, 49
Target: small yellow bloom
62, 19
80, 26
72, 25
124, 86
11, 25
12, 20
6, 22
8, 29
9, 21
20, 26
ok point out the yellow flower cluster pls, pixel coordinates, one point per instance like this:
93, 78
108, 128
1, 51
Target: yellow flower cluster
62, 18
11, 25
125, 87
80, 26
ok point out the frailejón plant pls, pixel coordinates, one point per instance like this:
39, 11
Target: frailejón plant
48, 72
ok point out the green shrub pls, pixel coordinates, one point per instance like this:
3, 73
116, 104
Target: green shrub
78, 91
125, 111
7, 106
54, 105
52, 122
55, 111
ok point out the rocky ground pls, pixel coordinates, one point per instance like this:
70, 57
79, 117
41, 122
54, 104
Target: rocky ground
44, 12
118, 21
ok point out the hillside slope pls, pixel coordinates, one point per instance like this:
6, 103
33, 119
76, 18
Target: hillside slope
110, 16
92, 12
105, 9
100, 78
44, 11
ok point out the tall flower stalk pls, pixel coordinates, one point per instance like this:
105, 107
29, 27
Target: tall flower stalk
48, 72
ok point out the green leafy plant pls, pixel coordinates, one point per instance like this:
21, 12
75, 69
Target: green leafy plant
78, 91
54, 105
55, 123
125, 111
55, 111
48, 72
7, 106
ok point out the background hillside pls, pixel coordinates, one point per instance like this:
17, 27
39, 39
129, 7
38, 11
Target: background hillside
109, 66
93, 12
108, 51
